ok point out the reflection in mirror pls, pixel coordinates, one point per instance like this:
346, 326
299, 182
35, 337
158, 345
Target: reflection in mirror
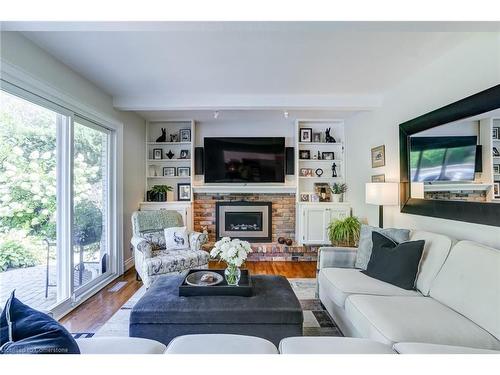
458, 161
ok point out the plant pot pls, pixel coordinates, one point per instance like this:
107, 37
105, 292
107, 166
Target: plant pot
337, 198
170, 196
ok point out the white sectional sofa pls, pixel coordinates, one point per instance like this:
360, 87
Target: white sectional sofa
456, 301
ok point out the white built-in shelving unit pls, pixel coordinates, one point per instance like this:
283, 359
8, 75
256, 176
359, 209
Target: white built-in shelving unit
155, 167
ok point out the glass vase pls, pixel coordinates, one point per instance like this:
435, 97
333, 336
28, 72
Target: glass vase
232, 274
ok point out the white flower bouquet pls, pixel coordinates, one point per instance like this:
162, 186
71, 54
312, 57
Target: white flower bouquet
234, 253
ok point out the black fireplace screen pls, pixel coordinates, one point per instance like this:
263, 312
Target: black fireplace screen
243, 221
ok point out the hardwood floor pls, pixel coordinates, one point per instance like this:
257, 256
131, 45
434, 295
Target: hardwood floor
97, 310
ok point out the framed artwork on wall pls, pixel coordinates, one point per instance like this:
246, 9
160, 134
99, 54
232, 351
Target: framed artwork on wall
378, 156
378, 178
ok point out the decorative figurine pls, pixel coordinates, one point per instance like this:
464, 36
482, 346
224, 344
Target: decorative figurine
289, 242
334, 170
170, 154
163, 137
328, 137
318, 172
174, 138
281, 240
319, 156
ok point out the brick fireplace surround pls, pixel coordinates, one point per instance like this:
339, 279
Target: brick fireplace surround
283, 225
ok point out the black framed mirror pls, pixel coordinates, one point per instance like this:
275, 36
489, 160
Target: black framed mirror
450, 161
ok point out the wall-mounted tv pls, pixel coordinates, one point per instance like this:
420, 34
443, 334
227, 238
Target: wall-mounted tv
443, 158
244, 160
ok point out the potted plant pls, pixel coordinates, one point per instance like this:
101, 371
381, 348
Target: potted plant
159, 193
344, 232
338, 191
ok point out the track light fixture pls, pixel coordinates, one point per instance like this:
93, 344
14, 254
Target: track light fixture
216, 115
285, 114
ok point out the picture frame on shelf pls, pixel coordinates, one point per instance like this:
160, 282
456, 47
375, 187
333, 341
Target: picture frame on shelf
322, 189
169, 171
496, 132
496, 153
184, 154
306, 172
378, 156
157, 153
316, 137
314, 197
378, 178
305, 135
183, 192
304, 197
496, 168
327, 155
496, 189
183, 171
304, 154
185, 135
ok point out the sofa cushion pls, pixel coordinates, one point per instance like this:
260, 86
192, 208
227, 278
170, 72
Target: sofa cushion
120, 345
220, 344
342, 282
394, 263
424, 348
365, 242
332, 345
24, 330
175, 261
436, 249
469, 283
409, 319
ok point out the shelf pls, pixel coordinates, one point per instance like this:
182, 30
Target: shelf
457, 187
320, 144
319, 178
167, 160
167, 143
170, 177
167, 203
320, 161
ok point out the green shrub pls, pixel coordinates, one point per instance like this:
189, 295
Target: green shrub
344, 232
15, 255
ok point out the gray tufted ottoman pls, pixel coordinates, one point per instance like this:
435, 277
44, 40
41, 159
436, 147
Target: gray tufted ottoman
273, 312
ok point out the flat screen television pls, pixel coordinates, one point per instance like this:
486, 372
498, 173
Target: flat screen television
244, 160
443, 158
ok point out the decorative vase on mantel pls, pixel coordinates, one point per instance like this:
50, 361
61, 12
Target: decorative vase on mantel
232, 274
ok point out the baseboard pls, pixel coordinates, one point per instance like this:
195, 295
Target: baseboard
129, 263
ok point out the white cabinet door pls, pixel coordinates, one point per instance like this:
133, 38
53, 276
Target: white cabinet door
314, 221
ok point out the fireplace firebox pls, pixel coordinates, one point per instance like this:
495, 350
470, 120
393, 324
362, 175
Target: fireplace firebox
249, 221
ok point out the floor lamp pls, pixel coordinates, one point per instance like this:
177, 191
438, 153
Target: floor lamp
382, 194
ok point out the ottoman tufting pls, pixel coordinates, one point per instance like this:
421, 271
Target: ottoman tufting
273, 312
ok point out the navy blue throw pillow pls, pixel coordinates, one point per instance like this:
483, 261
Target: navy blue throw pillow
24, 330
394, 263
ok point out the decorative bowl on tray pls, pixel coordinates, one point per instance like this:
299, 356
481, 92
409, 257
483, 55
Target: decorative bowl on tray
204, 278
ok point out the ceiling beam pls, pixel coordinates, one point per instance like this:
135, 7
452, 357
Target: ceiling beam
247, 102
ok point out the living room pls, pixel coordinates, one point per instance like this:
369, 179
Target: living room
257, 187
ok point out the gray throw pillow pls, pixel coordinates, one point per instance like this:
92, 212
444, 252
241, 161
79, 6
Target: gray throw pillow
365, 242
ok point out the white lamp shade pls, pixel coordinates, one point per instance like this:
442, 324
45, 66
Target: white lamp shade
382, 193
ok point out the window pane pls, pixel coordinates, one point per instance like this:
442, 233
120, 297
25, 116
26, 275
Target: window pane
90, 203
28, 257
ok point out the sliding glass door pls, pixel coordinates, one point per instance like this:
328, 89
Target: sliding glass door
57, 215
91, 198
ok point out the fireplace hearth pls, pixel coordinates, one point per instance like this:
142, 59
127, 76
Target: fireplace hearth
249, 221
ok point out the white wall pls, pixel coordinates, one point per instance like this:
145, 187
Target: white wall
32, 60
471, 67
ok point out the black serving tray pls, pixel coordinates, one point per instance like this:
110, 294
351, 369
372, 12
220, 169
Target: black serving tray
244, 289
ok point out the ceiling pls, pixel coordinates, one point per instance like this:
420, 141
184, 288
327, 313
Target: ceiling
151, 66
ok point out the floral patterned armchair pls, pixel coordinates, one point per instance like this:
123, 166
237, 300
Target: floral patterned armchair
152, 259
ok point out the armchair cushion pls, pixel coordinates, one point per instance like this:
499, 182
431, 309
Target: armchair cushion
166, 261
156, 239
336, 257
196, 239
176, 238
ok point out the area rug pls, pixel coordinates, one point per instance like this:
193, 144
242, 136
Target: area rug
317, 321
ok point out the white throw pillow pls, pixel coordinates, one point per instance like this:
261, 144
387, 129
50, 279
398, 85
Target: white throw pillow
176, 238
